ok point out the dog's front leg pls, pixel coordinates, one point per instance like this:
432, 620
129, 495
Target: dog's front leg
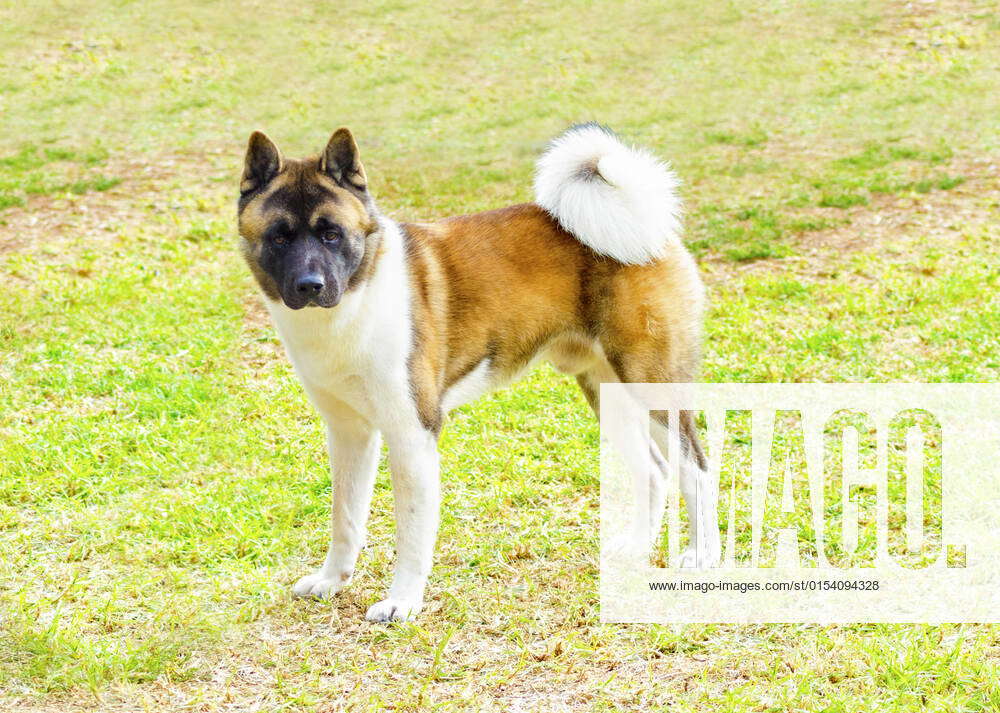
413, 459
354, 449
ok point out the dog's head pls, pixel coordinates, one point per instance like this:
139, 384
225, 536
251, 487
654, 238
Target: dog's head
307, 226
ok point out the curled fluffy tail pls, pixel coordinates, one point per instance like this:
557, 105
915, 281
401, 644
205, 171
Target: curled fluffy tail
620, 201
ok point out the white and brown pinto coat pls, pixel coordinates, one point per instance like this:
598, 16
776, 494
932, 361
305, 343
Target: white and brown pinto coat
391, 325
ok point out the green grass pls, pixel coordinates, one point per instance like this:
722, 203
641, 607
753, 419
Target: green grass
754, 137
33, 171
162, 477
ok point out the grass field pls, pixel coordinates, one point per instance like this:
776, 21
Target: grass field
162, 477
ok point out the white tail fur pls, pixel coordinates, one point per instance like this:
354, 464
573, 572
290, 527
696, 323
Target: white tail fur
620, 201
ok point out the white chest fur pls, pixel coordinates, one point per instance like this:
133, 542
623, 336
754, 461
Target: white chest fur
355, 353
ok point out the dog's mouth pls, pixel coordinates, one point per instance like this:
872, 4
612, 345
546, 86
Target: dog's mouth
320, 305
319, 301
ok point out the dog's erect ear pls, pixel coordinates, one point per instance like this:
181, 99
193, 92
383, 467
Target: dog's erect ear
342, 162
263, 162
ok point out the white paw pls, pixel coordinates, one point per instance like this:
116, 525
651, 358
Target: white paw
690, 558
393, 610
320, 585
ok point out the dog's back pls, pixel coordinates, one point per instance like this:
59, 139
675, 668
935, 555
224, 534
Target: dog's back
595, 266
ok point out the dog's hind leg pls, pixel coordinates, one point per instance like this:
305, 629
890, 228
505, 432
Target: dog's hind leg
590, 383
699, 492
354, 449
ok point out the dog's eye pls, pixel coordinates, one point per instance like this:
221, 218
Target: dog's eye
281, 235
331, 235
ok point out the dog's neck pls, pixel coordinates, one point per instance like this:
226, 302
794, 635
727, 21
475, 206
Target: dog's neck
379, 296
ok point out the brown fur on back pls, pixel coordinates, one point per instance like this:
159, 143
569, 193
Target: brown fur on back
504, 284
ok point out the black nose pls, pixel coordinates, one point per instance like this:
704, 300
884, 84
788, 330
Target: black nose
310, 284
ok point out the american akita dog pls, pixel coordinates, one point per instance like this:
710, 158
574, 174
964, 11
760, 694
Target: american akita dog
391, 325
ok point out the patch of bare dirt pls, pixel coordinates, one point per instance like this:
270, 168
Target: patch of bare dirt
934, 213
936, 217
922, 36
148, 183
